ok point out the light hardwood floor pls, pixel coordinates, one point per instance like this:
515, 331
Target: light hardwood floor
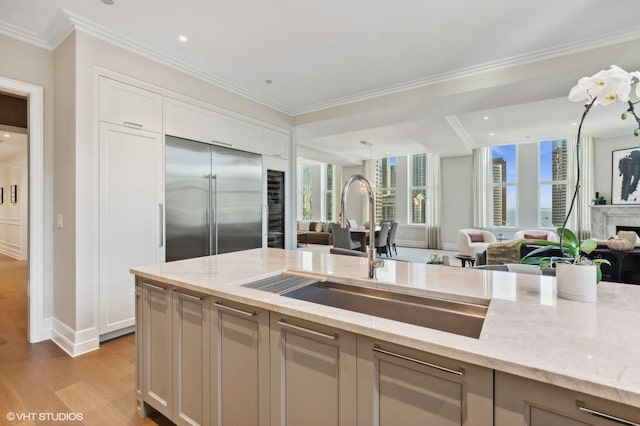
41, 378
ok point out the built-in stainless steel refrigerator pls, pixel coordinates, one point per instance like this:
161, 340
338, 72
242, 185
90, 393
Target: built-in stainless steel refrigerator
213, 199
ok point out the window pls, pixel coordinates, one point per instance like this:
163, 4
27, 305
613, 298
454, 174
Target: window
553, 183
329, 197
418, 190
505, 185
385, 174
307, 188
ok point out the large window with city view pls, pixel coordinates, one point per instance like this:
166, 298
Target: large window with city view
505, 185
553, 183
385, 174
329, 194
307, 192
418, 190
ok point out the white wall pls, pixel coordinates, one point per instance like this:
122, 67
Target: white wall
457, 198
34, 65
14, 216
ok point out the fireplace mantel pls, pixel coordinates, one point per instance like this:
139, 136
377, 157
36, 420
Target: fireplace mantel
605, 218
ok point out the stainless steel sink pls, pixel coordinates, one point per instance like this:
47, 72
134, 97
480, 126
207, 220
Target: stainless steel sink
461, 318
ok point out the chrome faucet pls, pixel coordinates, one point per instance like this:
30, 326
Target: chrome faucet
371, 251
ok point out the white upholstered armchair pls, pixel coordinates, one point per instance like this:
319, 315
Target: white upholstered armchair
535, 234
474, 241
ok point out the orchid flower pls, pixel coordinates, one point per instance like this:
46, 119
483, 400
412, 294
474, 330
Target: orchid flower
606, 87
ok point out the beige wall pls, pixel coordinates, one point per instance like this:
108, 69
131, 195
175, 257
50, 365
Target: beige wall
64, 184
457, 198
34, 65
603, 152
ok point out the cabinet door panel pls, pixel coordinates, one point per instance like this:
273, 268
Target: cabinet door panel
240, 365
396, 382
313, 377
520, 401
127, 105
275, 144
157, 349
131, 171
191, 359
417, 397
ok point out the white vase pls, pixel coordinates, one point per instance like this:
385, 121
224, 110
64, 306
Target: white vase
576, 282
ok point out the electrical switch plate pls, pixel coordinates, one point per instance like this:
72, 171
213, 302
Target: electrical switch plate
59, 220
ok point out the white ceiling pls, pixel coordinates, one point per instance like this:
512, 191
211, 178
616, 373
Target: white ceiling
12, 145
325, 54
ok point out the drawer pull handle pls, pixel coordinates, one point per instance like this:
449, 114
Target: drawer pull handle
131, 124
584, 409
222, 143
306, 330
459, 372
189, 296
237, 311
155, 287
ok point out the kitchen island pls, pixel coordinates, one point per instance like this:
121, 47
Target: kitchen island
534, 351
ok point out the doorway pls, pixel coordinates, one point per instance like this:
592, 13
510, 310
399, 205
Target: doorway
37, 329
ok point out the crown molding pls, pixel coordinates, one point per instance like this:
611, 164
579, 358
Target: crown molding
21, 34
539, 55
65, 22
457, 127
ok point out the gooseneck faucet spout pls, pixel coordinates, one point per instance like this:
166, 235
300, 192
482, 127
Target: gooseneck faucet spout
371, 251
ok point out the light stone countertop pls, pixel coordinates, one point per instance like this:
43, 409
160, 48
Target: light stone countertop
588, 347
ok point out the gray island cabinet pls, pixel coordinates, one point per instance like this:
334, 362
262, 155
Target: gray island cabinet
212, 352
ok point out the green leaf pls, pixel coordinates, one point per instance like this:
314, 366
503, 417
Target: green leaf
588, 245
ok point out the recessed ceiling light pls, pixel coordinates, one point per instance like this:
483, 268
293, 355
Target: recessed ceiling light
574, 124
107, 2
491, 134
183, 38
7, 135
485, 117
268, 81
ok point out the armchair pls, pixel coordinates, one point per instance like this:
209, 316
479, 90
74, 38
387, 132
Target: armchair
474, 241
535, 234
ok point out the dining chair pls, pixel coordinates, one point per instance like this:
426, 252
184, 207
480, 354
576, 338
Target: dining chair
391, 239
342, 238
380, 240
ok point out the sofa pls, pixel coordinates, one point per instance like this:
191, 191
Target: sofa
316, 232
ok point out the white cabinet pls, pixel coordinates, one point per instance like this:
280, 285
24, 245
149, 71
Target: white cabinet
313, 373
275, 144
130, 106
172, 334
400, 385
130, 223
193, 122
239, 364
520, 402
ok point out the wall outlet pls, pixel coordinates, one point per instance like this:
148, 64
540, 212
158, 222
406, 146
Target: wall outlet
59, 221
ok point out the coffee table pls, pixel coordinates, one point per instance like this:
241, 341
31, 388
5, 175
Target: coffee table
464, 259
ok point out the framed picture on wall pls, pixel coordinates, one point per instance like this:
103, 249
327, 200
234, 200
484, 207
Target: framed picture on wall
625, 170
14, 194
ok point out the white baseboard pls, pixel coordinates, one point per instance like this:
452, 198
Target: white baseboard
411, 243
74, 342
450, 246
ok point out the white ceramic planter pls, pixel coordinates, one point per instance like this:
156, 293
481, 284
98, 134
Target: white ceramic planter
576, 282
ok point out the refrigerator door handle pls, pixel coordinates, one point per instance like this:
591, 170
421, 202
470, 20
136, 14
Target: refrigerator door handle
161, 224
213, 232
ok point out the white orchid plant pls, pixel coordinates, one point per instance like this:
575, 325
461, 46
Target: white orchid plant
602, 88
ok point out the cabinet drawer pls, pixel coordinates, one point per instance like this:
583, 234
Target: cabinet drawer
396, 382
520, 401
130, 106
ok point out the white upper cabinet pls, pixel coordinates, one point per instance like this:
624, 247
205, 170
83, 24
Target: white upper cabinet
193, 122
130, 106
275, 144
